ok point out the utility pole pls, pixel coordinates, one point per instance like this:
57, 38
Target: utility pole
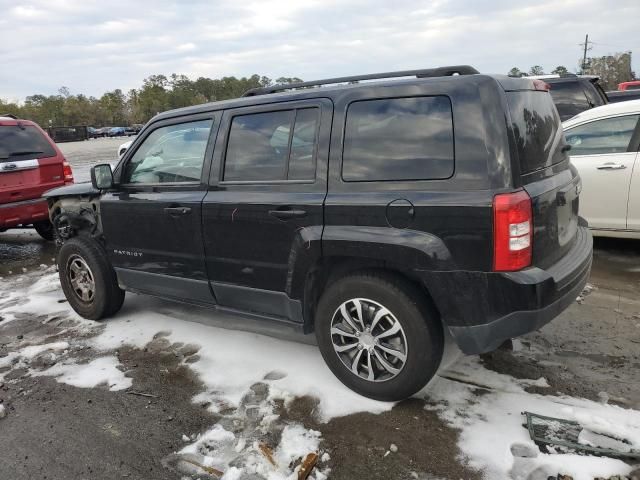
584, 55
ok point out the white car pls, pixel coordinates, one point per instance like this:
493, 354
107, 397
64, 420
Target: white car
604, 148
123, 148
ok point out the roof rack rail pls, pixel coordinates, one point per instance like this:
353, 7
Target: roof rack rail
8, 115
423, 73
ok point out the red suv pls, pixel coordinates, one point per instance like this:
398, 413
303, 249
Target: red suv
30, 164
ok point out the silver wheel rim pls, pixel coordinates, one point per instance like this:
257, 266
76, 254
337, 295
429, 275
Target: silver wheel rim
81, 278
369, 340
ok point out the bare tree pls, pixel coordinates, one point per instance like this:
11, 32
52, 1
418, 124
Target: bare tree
612, 69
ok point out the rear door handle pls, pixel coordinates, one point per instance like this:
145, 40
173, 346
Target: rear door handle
177, 211
611, 166
285, 214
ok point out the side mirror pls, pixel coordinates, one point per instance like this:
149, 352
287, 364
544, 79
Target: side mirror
101, 176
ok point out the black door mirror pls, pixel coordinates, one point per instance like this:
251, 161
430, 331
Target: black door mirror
101, 176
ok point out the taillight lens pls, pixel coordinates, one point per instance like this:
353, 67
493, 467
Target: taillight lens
541, 85
67, 172
512, 231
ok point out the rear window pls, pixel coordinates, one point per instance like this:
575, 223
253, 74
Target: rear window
537, 130
568, 93
398, 139
23, 142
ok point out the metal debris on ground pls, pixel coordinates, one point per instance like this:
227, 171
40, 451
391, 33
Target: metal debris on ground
558, 435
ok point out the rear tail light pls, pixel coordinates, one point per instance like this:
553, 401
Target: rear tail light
512, 231
541, 85
67, 172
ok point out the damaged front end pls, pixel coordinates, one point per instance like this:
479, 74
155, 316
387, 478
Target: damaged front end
74, 210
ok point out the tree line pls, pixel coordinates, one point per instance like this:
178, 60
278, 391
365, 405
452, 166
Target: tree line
117, 108
612, 70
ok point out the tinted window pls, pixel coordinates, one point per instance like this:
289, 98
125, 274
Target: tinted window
537, 130
170, 154
610, 135
398, 139
23, 142
262, 146
302, 165
568, 92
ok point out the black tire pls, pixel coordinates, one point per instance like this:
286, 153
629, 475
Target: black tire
107, 297
45, 230
422, 332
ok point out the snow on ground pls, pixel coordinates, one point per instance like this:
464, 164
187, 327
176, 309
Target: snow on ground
101, 371
485, 406
491, 421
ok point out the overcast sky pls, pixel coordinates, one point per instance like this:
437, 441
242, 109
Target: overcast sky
92, 47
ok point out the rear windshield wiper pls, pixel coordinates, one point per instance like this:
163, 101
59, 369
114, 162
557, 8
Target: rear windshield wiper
20, 152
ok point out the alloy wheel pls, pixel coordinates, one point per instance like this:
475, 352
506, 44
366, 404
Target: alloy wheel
369, 340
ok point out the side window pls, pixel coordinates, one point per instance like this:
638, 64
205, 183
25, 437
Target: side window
171, 154
398, 139
272, 146
610, 135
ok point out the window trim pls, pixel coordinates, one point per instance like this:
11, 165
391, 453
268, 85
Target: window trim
201, 184
271, 108
396, 180
634, 141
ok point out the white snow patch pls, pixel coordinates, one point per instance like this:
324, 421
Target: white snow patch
231, 361
296, 442
490, 423
3, 411
22, 357
102, 370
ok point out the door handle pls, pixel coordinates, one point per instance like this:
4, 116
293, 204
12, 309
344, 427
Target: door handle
177, 211
286, 214
611, 166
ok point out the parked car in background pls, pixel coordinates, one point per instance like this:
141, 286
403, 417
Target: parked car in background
30, 164
116, 132
573, 94
102, 132
604, 148
632, 85
92, 132
623, 95
123, 148
419, 218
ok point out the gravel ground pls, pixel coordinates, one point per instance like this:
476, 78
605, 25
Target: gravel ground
83, 155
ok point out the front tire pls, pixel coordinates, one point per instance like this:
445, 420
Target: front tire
45, 230
379, 335
88, 279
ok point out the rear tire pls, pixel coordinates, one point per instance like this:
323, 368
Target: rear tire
88, 279
45, 230
398, 354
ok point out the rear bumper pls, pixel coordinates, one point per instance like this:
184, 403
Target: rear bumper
23, 212
487, 308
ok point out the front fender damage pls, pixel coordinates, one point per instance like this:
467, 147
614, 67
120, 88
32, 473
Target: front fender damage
75, 215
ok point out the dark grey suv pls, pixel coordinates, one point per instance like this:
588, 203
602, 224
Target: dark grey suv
375, 212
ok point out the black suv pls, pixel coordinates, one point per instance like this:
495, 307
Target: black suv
377, 214
573, 94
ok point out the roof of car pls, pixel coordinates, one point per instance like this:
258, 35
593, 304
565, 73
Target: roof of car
611, 109
508, 83
11, 120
